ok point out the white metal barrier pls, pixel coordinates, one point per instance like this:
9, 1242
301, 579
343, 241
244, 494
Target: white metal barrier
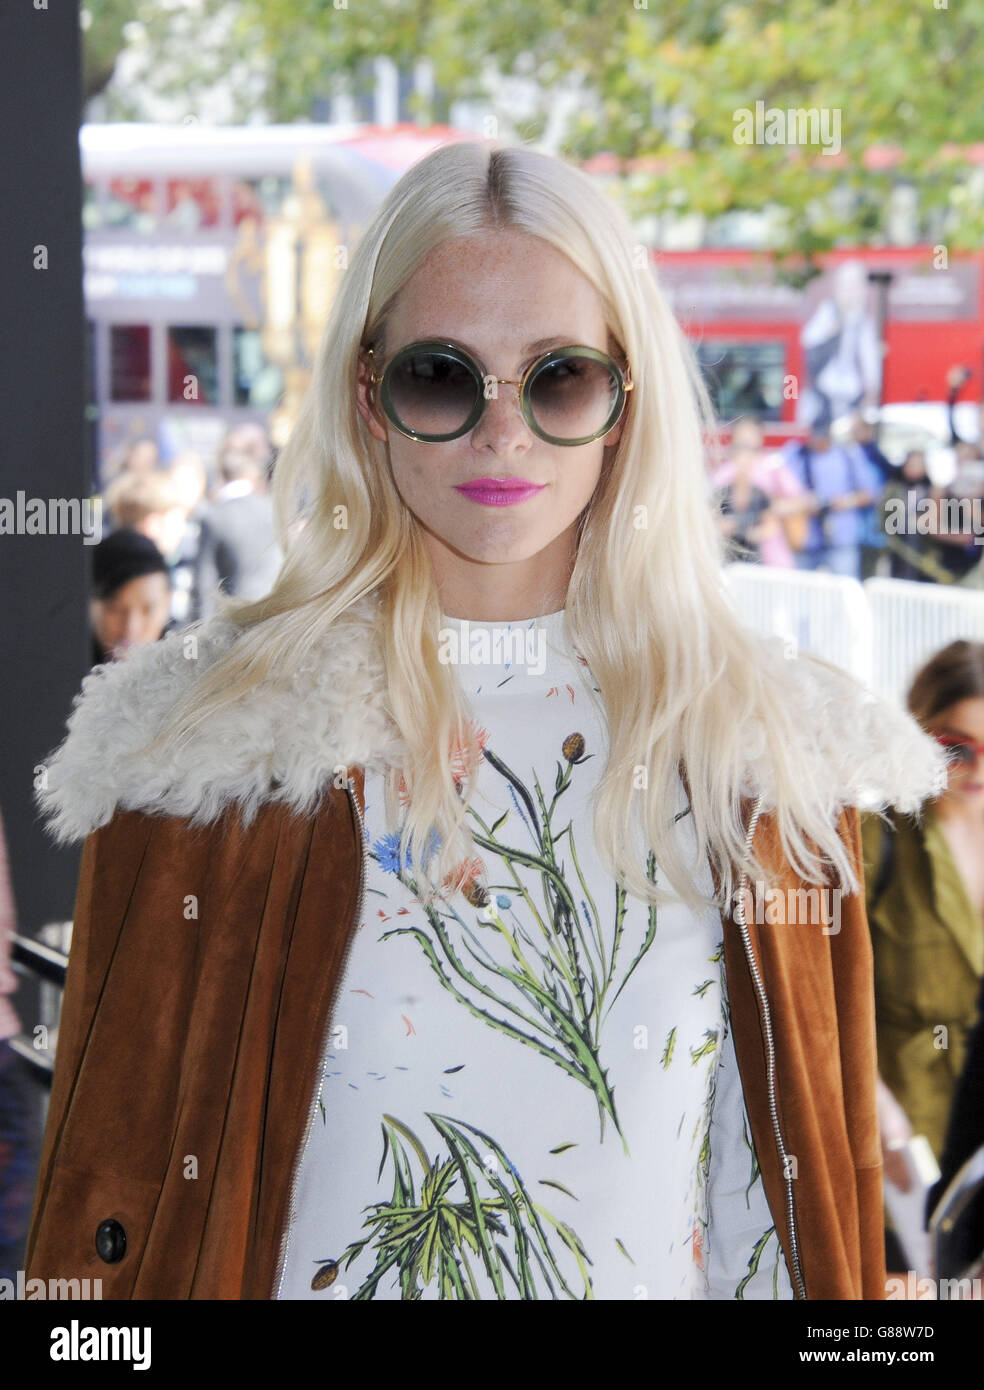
815, 612
881, 631
912, 621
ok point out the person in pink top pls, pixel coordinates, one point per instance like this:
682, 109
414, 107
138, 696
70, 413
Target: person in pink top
766, 471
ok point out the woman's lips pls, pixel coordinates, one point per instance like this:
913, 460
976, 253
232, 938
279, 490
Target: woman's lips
499, 492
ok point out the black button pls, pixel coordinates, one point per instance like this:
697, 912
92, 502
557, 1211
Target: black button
110, 1241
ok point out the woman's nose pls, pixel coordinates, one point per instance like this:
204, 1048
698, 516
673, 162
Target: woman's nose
502, 423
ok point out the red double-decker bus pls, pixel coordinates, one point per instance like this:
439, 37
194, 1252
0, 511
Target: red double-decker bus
883, 324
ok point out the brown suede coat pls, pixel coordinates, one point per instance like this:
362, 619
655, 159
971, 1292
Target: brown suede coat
202, 975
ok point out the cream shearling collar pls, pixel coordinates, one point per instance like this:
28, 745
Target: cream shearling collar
286, 742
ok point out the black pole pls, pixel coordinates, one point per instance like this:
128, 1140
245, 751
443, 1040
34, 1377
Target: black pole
882, 279
43, 577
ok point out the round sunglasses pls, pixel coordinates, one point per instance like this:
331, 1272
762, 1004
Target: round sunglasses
435, 391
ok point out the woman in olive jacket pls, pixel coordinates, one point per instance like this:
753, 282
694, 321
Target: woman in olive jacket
925, 892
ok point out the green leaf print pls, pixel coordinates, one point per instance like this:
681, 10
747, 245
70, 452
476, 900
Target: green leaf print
706, 1047
755, 1260
552, 1182
428, 1239
563, 971
756, 1172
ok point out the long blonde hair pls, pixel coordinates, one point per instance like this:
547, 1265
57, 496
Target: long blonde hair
678, 675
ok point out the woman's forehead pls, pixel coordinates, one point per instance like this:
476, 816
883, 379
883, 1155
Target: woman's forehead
514, 273
525, 305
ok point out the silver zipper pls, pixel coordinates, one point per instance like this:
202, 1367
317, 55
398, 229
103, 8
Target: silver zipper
278, 1279
766, 1018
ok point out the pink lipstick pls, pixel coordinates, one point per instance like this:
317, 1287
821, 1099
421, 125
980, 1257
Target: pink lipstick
500, 492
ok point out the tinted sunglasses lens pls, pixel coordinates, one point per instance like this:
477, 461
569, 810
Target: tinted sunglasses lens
432, 392
573, 397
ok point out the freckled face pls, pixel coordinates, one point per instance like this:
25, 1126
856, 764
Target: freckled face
506, 297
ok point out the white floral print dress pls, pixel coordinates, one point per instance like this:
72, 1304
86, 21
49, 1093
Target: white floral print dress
530, 1089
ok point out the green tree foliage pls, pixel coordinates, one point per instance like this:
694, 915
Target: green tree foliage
102, 41
658, 87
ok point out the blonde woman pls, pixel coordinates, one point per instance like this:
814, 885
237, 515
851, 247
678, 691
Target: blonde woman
428, 940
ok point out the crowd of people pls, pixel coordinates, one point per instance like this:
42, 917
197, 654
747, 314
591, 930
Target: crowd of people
845, 508
178, 533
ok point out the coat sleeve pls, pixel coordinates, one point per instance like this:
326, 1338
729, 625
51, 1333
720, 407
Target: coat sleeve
820, 989
199, 981
853, 975
108, 869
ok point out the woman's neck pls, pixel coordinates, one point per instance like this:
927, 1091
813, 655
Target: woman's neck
503, 593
